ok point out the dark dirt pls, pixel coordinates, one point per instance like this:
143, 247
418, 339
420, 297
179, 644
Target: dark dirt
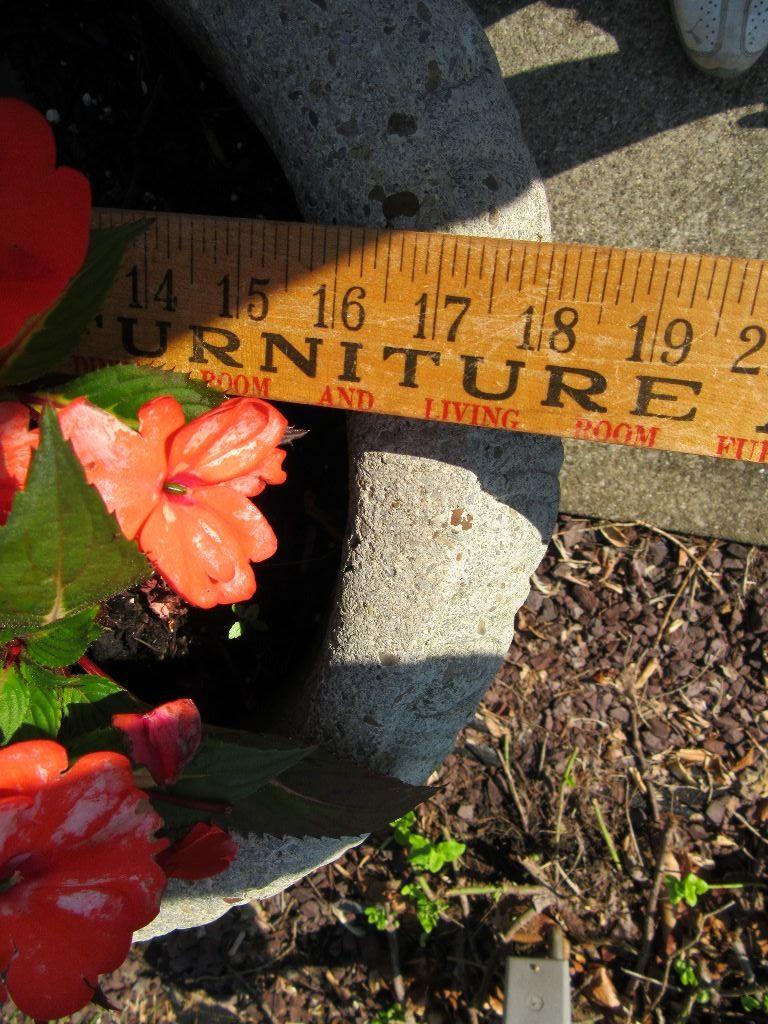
641, 656
639, 662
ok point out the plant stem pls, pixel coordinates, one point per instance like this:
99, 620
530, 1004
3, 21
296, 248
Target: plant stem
606, 835
212, 806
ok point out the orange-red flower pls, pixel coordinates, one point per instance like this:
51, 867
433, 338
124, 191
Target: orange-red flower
16, 444
182, 489
204, 851
45, 215
77, 873
164, 739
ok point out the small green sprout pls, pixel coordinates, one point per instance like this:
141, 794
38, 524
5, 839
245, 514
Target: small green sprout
428, 910
423, 854
394, 1014
689, 889
686, 973
378, 915
751, 1003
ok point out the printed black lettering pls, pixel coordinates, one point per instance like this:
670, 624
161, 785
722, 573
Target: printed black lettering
647, 393
469, 383
595, 385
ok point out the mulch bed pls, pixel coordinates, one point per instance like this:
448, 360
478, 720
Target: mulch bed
631, 712
640, 659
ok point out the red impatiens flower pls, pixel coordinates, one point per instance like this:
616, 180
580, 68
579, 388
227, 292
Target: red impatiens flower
164, 739
182, 490
204, 851
45, 219
16, 444
77, 873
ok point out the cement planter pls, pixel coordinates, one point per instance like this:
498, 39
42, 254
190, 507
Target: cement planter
392, 113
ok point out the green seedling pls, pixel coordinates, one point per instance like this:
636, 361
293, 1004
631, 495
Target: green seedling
379, 916
422, 853
428, 910
394, 1014
246, 620
754, 1002
688, 889
688, 978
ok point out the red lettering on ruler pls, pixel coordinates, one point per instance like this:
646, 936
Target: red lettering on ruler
633, 434
347, 398
473, 413
236, 383
741, 449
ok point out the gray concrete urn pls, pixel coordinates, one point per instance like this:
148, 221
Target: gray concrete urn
392, 113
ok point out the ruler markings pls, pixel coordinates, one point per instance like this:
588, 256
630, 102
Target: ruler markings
661, 309
337, 233
653, 271
522, 267
637, 278
591, 276
540, 395
437, 286
682, 276
621, 277
536, 263
389, 258
725, 293
493, 277
712, 279
413, 263
699, 263
605, 286
546, 299
563, 275
757, 289
743, 280
509, 262
578, 271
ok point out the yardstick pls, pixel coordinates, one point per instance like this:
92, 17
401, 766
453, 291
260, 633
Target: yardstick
647, 349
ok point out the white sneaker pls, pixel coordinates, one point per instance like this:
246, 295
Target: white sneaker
723, 37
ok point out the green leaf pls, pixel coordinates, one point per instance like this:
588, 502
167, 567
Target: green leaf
326, 796
14, 701
426, 856
44, 711
377, 915
122, 390
401, 828
315, 795
427, 911
65, 640
60, 550
61, 327
233, 772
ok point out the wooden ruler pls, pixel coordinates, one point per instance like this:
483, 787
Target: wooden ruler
647, 349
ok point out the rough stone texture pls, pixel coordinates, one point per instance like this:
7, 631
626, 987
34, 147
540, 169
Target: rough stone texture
638, 148
390, 112
686, 493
